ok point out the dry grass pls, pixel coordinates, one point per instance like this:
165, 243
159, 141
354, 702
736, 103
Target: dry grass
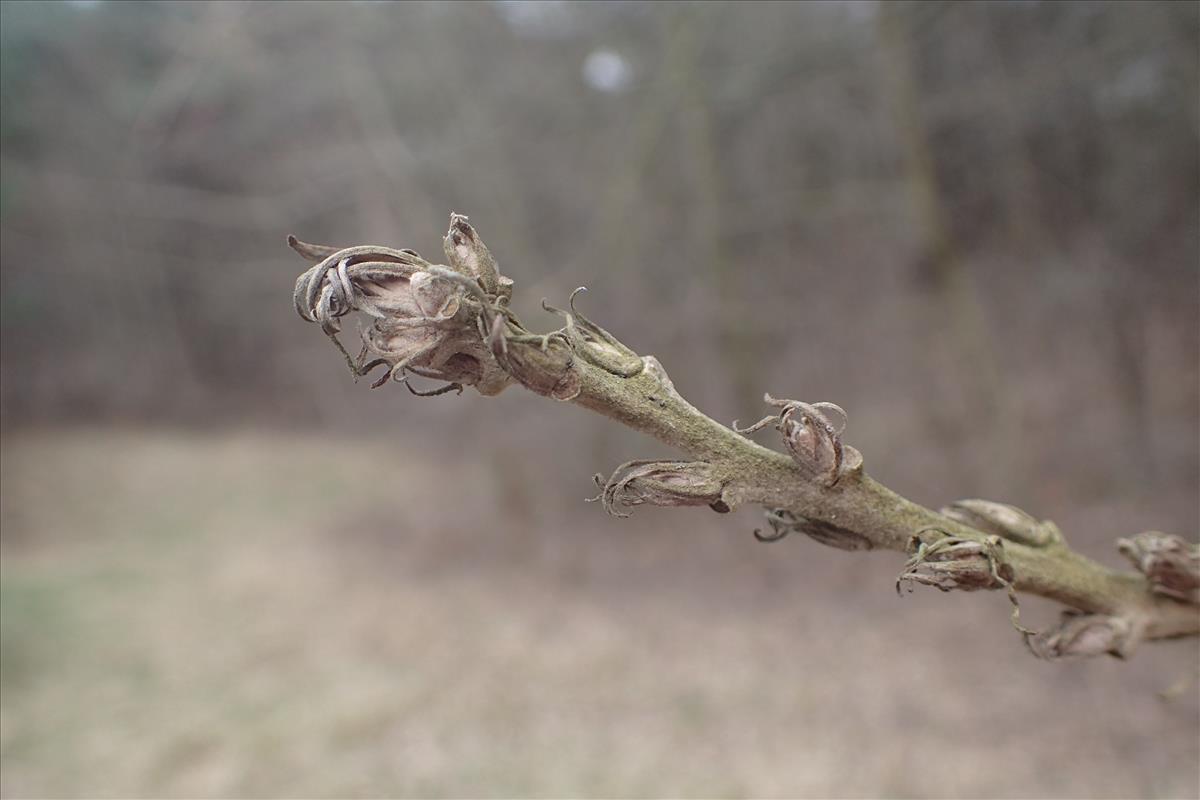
203, 615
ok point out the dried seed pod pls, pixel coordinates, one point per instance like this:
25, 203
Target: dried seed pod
661, 483
1169, 562
1001, 519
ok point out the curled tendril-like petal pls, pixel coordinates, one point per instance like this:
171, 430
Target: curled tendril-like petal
311, 252
782, 523
440, 390
825, 406
757, 426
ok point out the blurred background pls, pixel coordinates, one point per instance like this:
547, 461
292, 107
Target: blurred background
230, 571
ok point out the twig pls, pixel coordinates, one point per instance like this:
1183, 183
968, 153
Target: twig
452, 322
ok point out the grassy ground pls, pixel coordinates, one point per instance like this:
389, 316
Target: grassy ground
200, 615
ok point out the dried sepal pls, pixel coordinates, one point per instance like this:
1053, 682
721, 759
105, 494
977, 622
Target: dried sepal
661, 483
1080, 634
812, 439
784, 522
1170, 563
1001, 519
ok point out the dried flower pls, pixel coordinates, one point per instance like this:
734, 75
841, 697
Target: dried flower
1169, 562
426, 319
661, 483
950, 562
814, 443
1080, 634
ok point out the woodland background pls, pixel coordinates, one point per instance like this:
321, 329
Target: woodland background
229, 570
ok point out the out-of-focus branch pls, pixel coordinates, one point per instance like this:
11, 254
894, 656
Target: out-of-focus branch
453, 323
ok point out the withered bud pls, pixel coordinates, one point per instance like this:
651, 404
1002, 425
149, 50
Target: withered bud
425, 318
1001, 519
1170, 563
467, 254
812, 440
949, 562
661, 483
1081, 634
